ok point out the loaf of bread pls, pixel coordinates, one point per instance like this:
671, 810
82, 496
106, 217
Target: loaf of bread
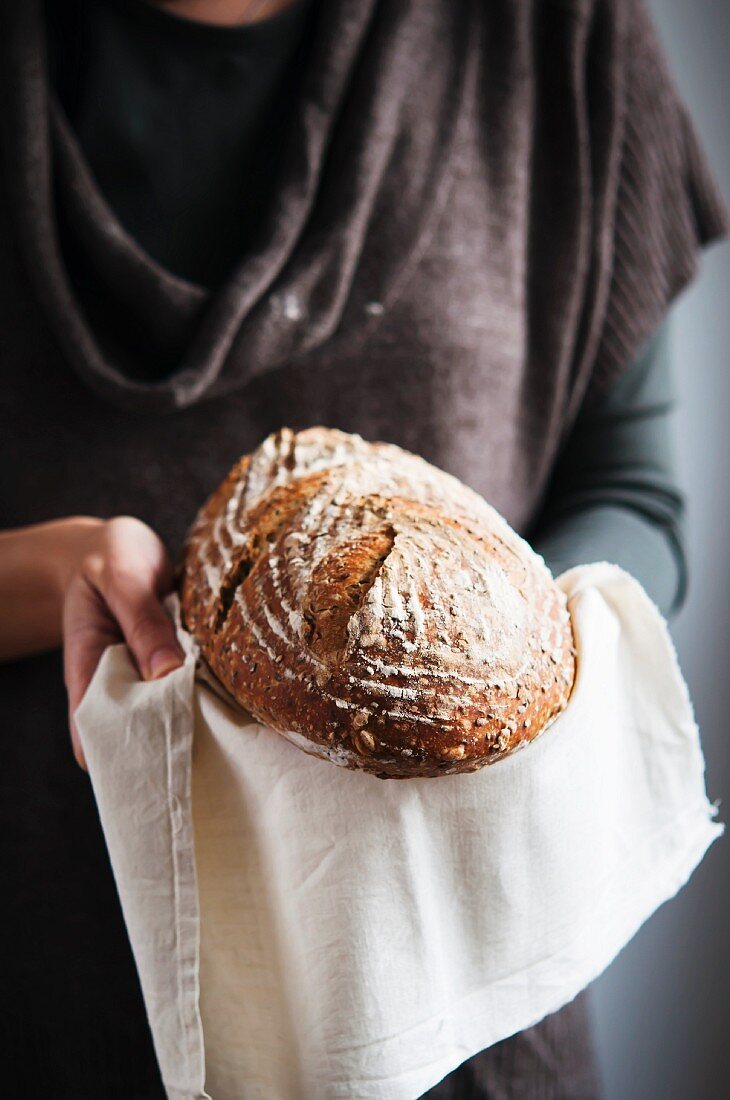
373, 609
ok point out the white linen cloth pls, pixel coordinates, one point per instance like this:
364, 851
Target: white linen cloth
303, 932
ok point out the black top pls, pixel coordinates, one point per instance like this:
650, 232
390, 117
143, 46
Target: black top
179, 119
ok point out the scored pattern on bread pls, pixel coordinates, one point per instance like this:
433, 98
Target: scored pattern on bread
373, 609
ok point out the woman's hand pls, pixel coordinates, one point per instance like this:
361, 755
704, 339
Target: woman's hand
115, 596
88, 583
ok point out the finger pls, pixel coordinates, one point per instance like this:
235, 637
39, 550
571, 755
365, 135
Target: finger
131, 592
146, 628
149, 633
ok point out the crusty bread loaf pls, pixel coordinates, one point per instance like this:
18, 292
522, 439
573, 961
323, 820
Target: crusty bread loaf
373, 609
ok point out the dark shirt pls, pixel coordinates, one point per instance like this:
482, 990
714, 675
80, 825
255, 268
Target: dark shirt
178, 120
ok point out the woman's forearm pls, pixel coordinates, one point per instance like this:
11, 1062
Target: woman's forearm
36, 565
607, 532
615, 492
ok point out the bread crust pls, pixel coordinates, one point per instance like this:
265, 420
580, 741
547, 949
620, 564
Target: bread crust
373, 609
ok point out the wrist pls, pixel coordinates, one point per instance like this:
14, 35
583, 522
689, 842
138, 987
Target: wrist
36, 567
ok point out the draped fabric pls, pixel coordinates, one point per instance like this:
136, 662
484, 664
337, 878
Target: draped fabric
556, 126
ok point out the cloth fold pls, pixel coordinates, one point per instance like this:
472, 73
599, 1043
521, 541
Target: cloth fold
302, 930
517, 186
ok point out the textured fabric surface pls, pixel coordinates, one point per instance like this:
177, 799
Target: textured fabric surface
542, 137
438, 262
302, 930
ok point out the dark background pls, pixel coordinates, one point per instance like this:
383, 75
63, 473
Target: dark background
663, 1008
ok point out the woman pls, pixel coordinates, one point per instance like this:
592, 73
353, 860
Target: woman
455, 226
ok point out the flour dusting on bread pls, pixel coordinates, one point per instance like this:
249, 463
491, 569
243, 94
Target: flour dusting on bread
374, 609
